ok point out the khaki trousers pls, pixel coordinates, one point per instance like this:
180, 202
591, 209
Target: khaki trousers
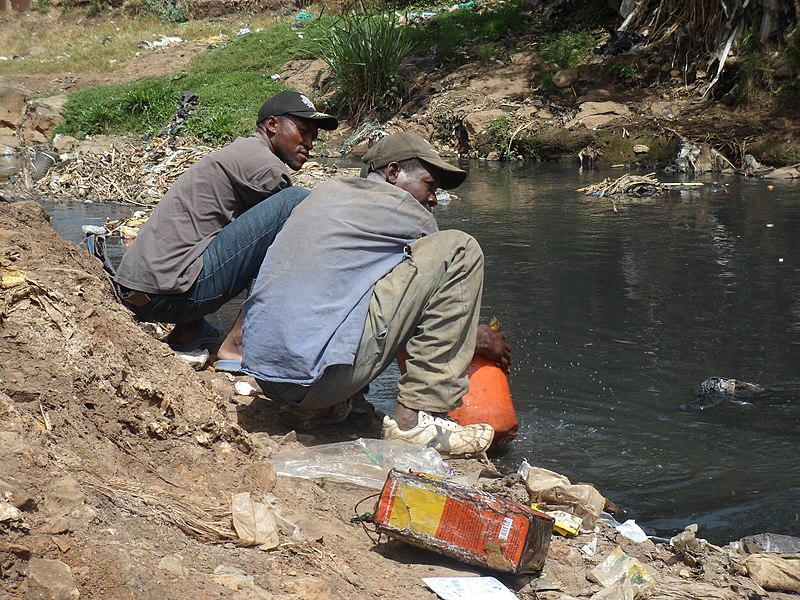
429, 304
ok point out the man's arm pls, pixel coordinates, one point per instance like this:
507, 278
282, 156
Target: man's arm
492, 346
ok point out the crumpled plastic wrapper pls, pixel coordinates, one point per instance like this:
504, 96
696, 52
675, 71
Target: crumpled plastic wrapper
258, 523
556, 491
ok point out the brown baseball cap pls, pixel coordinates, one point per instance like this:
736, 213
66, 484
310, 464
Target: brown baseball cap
404, 146
289, 102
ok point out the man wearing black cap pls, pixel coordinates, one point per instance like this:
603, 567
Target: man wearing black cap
207, 237
376, 277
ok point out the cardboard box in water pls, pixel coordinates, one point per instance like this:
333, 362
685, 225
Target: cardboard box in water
464, 523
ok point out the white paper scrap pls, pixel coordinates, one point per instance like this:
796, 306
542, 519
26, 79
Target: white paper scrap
243, 388
469, 588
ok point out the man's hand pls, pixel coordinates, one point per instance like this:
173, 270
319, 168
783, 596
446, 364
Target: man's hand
492, 346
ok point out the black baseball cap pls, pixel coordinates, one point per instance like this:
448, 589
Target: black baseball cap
289, 102
403, 146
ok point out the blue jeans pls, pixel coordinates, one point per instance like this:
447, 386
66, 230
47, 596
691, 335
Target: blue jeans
230, 262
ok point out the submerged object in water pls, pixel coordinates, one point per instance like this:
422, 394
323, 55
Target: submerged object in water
715, 390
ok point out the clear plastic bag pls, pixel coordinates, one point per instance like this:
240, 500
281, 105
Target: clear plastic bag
617, 565
364, 462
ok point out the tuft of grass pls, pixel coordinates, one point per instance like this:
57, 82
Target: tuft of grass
623, 72
138, 108
544, 82
175, 11
496, 138
364, 52
567, 49
768, 75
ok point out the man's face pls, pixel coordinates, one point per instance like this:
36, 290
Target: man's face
421, 183
292, 138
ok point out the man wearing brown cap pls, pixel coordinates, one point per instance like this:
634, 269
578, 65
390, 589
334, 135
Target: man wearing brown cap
207, 237
360, 272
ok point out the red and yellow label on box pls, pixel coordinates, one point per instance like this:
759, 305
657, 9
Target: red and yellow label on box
462, 522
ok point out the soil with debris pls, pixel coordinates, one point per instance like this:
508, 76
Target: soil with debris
120, 462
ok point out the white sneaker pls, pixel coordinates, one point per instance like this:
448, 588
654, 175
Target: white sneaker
442, 434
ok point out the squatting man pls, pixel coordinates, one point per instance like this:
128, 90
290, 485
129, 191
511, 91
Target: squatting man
359, 272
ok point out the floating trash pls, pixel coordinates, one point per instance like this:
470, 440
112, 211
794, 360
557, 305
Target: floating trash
638, 186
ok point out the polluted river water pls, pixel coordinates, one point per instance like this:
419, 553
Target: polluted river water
615, 318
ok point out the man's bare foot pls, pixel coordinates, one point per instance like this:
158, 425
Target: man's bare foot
406, 418
231, 347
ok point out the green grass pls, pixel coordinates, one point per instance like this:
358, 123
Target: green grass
167, 10
231, 83
100, 45
624, 72
565, 49
455, 35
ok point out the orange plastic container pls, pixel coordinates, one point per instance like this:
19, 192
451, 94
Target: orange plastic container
488, 400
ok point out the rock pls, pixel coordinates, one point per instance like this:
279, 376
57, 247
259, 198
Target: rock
174, 565
565, 77
50, 580
64, 143
596, 94
17, 550
596, 114
791, 172
16, 496
196, 359
360, 149
477, 122
664, 110
308, 588
12, 105
493, 156
9, 512
45, 114
262, 475
64, 503
8, 145
544, 113
55, 526
641, 149
219, 385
